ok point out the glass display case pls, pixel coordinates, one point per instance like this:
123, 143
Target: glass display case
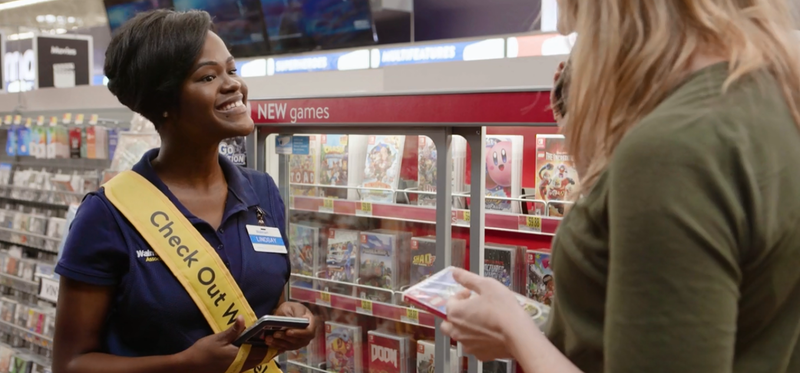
383, 191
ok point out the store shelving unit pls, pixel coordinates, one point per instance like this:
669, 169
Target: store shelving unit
440, 117
28, 287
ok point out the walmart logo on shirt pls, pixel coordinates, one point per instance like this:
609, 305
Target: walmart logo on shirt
149, 255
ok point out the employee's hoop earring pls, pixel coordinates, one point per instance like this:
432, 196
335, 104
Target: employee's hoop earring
166, 114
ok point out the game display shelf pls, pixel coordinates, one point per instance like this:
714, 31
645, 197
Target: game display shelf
383, 191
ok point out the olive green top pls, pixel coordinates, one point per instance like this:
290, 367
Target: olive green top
685, 256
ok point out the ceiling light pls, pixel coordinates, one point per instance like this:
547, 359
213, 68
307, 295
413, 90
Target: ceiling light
70, 19
21, 36
40, 19
60, 19
61, 31
50, 18
20, 3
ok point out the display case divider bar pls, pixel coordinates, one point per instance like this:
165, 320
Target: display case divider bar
476, 138
251, 146
444, 202
260, 150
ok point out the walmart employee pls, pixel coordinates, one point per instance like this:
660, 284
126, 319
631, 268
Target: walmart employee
130, 303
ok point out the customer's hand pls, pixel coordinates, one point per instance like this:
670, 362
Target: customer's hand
215, 353
483, 319
293, 339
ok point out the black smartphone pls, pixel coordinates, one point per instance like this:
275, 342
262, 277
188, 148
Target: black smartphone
267, 325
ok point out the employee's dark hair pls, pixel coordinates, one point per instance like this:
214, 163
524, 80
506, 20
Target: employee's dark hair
561, 90
151, 55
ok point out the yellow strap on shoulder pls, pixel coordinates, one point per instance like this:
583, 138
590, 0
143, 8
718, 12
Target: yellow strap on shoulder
188, 255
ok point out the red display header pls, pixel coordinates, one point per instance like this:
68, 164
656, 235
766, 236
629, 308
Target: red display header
500, 107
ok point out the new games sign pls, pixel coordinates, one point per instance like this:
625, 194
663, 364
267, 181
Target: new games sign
499, 107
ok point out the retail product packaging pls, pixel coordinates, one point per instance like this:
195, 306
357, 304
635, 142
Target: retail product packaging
505, 263
296, 357
6, 358
113, 139
385, 263
503, 172
11, 142
432, 296
96, 142
303, 170
423, 256
389, 353
20, 364
37, 224
55, 230
343, 348
382, 168
342, 164
541, 282
5, 173
8, 310
235, 149
427, 171
75, 142
38, 142
84, 150
131, 147
426, 357
556, 177
23, 141
499, 366
303, 251
342, 261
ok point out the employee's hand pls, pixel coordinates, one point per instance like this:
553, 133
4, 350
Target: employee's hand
293, 339
215, 353
484, 321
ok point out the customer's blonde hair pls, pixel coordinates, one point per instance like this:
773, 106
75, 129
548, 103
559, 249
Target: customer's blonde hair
630, 54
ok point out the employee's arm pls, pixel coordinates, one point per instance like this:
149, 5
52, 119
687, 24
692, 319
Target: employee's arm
81, 316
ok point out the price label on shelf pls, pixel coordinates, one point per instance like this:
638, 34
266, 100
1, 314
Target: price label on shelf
324, 299
364, 307
364, 209
411, 316
531, 224
327, 205
460, 217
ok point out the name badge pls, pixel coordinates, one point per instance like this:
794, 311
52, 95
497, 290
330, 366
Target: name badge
266, 239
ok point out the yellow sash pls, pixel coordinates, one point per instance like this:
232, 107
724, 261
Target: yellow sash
188, 255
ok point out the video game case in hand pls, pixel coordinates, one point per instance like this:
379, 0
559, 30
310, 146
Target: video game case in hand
343, 347
432, 295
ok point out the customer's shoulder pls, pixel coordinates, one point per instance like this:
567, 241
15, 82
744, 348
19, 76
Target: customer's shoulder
710, 116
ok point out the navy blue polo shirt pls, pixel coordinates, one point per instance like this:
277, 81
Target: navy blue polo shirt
151, 313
